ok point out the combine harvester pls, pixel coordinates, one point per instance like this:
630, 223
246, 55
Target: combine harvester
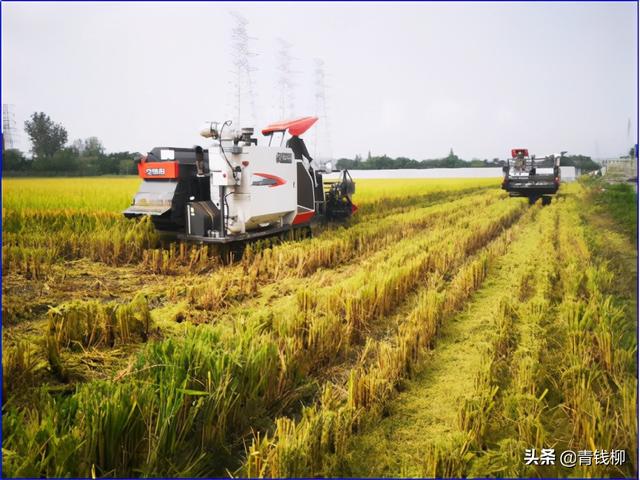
530, 177
237, 190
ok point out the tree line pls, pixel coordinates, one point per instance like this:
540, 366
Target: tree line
52, 155
585, 163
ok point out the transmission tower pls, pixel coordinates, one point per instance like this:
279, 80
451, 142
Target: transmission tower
322, 135
243, 70
285, 80
8, 127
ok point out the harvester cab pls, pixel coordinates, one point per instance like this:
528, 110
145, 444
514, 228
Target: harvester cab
235, 189
531, 177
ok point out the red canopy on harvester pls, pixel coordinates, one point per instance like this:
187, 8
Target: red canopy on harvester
295, 127
519, 151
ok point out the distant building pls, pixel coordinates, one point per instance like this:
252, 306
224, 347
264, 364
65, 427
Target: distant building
622, 167
568, 173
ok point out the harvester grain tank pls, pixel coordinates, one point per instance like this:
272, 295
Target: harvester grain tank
531, 177
235, 189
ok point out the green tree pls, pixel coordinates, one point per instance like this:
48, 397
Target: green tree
127, 167
13, 160
46, 137
93, 146
91, 157
62, 161
125, 162
78, 146
583, 162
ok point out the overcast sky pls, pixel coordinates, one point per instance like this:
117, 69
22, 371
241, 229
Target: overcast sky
413, 79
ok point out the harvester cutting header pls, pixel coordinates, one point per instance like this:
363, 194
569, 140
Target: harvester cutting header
237, 190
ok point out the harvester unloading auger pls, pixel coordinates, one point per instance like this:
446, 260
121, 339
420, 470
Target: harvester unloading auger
237, 190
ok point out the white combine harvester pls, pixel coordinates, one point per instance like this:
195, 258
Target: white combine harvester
235, 189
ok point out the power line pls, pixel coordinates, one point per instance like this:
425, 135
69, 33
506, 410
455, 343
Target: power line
285, 80
322, 133
8, 127
243, 70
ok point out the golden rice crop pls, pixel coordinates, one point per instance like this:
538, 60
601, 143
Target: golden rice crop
93, 324
299, 347
369, 386
525, 399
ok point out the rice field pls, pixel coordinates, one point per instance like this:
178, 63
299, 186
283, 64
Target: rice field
444, 331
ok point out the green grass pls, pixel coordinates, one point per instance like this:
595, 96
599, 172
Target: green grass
620, 201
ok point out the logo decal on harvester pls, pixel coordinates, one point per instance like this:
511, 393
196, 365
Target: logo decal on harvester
266, 179
284, 157
155, 171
